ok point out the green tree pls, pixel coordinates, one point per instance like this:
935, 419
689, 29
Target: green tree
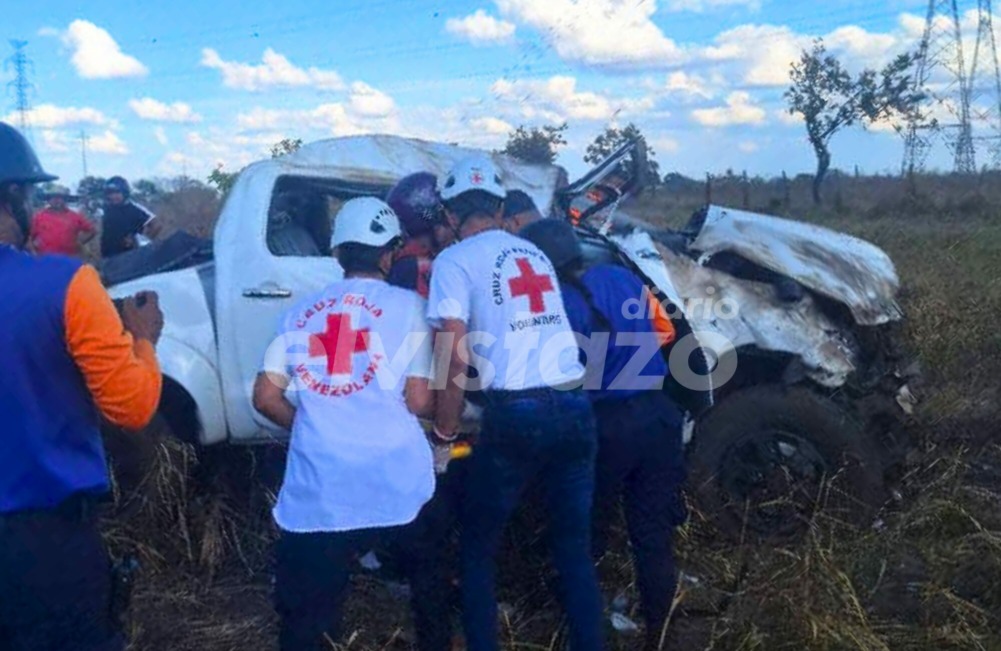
91, 188
146, 190
538, 145
829, 99
222, 180
614, 137
285, 146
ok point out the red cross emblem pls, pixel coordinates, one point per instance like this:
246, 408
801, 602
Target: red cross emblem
532, 285
339, 343
476, 177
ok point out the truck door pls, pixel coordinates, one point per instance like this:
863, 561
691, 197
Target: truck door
272, 251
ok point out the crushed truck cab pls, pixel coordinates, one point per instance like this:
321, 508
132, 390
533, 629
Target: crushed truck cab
801, 314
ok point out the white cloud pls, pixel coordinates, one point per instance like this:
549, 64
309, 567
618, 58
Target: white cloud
107, 143
96, 55
368, 102
55, 141
480, 28
274, 71
161, 136
200, 152
615, 34
557, 99
50, 116
789, 119
665, 145
331, 119
761, 55
688, 86
492, 126
748, 146
740, 109
700, 6
148, 108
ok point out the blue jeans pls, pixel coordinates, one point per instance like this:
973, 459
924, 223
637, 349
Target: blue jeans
641, 466
550, 435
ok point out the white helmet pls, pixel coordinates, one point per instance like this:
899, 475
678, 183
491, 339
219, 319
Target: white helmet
472, 173
365, 220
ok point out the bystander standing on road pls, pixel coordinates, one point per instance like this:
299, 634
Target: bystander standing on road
125, 224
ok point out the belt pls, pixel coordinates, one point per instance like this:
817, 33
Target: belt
497, 396
77, 508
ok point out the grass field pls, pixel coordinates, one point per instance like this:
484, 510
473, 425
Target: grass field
927, 576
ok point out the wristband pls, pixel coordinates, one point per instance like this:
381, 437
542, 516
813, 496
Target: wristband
442, 439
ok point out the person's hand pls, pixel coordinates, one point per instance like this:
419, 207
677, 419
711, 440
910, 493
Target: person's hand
142, 316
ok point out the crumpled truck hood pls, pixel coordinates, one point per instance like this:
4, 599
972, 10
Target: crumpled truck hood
727, 313
838, 266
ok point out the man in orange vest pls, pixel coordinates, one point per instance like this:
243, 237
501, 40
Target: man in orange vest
68, 359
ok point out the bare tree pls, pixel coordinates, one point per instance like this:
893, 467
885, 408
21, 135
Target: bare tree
830, 99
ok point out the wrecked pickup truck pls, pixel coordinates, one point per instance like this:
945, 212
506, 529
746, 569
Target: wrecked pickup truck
786, 358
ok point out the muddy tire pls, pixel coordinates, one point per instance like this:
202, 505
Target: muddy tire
768, 459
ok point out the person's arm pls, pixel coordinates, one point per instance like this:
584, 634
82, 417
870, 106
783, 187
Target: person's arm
419, 397
119, 367
152, 228
449, 308
451, 399
146, 222
85, 229
270, 400
417, 391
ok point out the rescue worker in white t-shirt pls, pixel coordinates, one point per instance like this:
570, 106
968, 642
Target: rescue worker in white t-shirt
496, 296
355, 360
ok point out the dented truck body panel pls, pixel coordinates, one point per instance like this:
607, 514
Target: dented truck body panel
836, 265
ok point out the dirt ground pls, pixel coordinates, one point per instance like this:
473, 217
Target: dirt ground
926, 575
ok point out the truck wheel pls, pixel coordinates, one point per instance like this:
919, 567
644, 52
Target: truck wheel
767, 458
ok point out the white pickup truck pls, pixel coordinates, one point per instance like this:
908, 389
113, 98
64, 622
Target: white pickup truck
798, 321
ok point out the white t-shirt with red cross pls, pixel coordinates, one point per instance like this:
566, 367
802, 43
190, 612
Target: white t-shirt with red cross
357, 458
505, 290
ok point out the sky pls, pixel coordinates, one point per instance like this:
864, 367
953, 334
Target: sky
161, 89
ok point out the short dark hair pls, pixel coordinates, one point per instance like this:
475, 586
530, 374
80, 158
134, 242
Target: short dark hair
361, 258
518, 202
473, 203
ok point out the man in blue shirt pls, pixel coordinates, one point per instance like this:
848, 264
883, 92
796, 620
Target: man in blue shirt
640, 453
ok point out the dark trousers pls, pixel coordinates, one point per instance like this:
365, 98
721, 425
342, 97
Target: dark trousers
313, 570
641, 467
55, 583
549, 435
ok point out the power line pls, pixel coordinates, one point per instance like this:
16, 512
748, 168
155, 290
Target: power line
20, 85
985, 80
83, 151
940, 55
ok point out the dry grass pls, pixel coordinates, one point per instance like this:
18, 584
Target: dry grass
926, 576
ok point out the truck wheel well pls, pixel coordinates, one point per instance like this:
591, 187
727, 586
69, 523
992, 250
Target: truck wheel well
755, 367
180, 411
